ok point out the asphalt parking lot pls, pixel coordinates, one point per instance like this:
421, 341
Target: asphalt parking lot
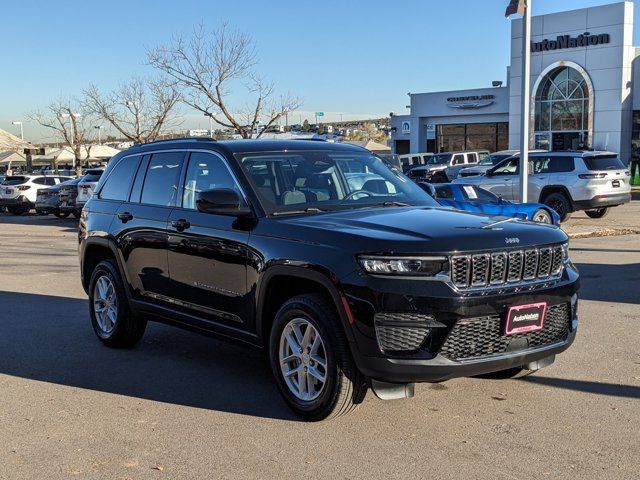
181, 405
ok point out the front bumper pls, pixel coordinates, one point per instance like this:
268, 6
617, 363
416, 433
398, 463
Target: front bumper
602, 201
368, 296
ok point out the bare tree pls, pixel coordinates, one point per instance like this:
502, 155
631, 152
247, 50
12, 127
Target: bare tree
208, 65
70, 125
139, 109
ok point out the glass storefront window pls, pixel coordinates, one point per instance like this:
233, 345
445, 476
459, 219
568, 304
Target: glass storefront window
562, 106
490, 136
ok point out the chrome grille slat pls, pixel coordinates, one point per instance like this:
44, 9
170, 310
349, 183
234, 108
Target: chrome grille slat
506, 268
530, 264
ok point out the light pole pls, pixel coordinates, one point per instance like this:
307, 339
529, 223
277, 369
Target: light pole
21, 130
99, 127
523, 7
210, 115
72, 138
286, 119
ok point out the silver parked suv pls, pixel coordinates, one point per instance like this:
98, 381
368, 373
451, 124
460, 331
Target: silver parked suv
567, 181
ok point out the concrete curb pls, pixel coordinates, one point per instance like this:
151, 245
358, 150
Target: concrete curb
605, 232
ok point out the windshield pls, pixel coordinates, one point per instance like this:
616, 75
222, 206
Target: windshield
493, 159
477, 194
439, 159
328, 180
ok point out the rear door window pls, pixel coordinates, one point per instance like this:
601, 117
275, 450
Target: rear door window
472, 158
40, 181
116, 186
162, 179
604, 162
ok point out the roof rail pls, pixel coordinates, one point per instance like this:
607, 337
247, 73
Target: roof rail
310, 139
181, 139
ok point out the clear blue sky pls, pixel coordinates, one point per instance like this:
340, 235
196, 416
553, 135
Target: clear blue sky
355, 57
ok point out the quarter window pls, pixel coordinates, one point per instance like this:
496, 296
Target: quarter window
206, 172
118, 182
161, 182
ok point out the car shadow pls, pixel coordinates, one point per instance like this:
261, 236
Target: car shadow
608, 389
69, 224
596, 284
50, 339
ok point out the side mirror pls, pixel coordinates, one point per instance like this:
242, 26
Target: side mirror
488, 173
221, 201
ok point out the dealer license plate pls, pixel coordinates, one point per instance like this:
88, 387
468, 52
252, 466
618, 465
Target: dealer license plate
525, 318
615, 183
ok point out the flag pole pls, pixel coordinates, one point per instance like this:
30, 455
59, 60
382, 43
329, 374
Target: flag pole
526, 101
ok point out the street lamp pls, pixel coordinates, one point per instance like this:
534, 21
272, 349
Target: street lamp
99, 127
210, 115
74, 115
21, 130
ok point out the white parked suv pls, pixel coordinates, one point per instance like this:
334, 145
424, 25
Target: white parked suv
566, 181
18, 192
86, 186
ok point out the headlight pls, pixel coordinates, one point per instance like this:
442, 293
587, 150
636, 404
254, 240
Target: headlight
565, 252
404, 266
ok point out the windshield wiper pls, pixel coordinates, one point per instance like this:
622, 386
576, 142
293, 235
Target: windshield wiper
298, 212
394, 204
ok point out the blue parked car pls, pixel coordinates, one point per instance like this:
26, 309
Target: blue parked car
472, 198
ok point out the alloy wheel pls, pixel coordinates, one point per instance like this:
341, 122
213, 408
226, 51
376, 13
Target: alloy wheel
303, 359
105, 304
542, 217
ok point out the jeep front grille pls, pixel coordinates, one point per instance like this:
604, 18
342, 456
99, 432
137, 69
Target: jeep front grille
504, 268
473, 338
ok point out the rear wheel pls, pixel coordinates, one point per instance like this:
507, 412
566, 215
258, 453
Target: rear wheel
112, 320
61, 214
311, 361
560, 203
597, 213
542, 216
18, 210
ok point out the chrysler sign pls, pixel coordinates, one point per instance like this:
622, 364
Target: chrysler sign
567, 41
471, 102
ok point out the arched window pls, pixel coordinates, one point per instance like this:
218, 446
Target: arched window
562, 104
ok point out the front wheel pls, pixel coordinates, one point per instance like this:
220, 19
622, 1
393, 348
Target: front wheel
311, 361
560, 203
112, 320
440, 178
18, 210
597, 213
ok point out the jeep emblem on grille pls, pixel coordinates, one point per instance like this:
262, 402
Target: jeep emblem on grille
509, 240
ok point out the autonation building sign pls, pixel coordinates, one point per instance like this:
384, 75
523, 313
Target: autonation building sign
567, 41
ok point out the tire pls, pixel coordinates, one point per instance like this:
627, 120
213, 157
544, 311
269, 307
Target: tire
344, 386
517, 372
598, 212
560, 203
18, 210
439, 178
76, 214
542, 216
42, 213
61, 214
126, 329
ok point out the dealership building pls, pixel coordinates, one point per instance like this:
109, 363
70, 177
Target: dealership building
584, 68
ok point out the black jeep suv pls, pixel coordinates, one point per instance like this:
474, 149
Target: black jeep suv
341, 268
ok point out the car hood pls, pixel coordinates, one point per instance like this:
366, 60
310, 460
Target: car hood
422, 229
478, 169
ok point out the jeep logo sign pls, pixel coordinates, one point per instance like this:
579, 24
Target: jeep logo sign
406, 127
566, 41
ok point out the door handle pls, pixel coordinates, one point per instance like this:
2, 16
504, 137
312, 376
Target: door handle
125, 217
180, 225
